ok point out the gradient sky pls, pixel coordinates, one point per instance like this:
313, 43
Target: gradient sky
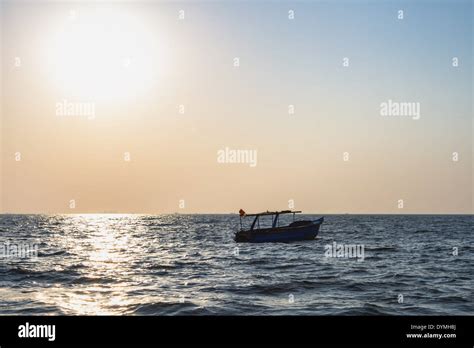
79, 56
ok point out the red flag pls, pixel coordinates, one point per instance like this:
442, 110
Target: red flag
241, 212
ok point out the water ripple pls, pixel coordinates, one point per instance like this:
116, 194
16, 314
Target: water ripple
190, 265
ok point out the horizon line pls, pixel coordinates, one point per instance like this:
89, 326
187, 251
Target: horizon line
211, 213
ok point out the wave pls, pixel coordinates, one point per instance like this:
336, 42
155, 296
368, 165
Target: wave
56, 253
51, 274
382, 248
276, 288
366, 309
169, 308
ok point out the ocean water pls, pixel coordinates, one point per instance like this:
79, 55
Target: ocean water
190, 265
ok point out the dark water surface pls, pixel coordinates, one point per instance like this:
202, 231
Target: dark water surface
190, 265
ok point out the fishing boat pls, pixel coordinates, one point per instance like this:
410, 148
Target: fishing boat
297, 230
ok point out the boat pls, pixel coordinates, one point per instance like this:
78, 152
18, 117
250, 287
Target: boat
297, 230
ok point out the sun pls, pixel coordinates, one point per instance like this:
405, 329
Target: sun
104, 55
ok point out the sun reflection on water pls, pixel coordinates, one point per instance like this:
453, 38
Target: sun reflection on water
115, 264
99, 244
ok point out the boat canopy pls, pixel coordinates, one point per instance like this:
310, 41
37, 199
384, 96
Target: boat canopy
274, 212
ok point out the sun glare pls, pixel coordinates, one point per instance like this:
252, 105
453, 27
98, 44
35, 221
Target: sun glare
103, 55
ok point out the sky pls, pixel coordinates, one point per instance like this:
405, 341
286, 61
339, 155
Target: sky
213, 106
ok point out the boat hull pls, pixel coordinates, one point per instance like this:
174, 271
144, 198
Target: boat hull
303, 230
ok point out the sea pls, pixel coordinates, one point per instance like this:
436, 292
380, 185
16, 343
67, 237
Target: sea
112, 264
